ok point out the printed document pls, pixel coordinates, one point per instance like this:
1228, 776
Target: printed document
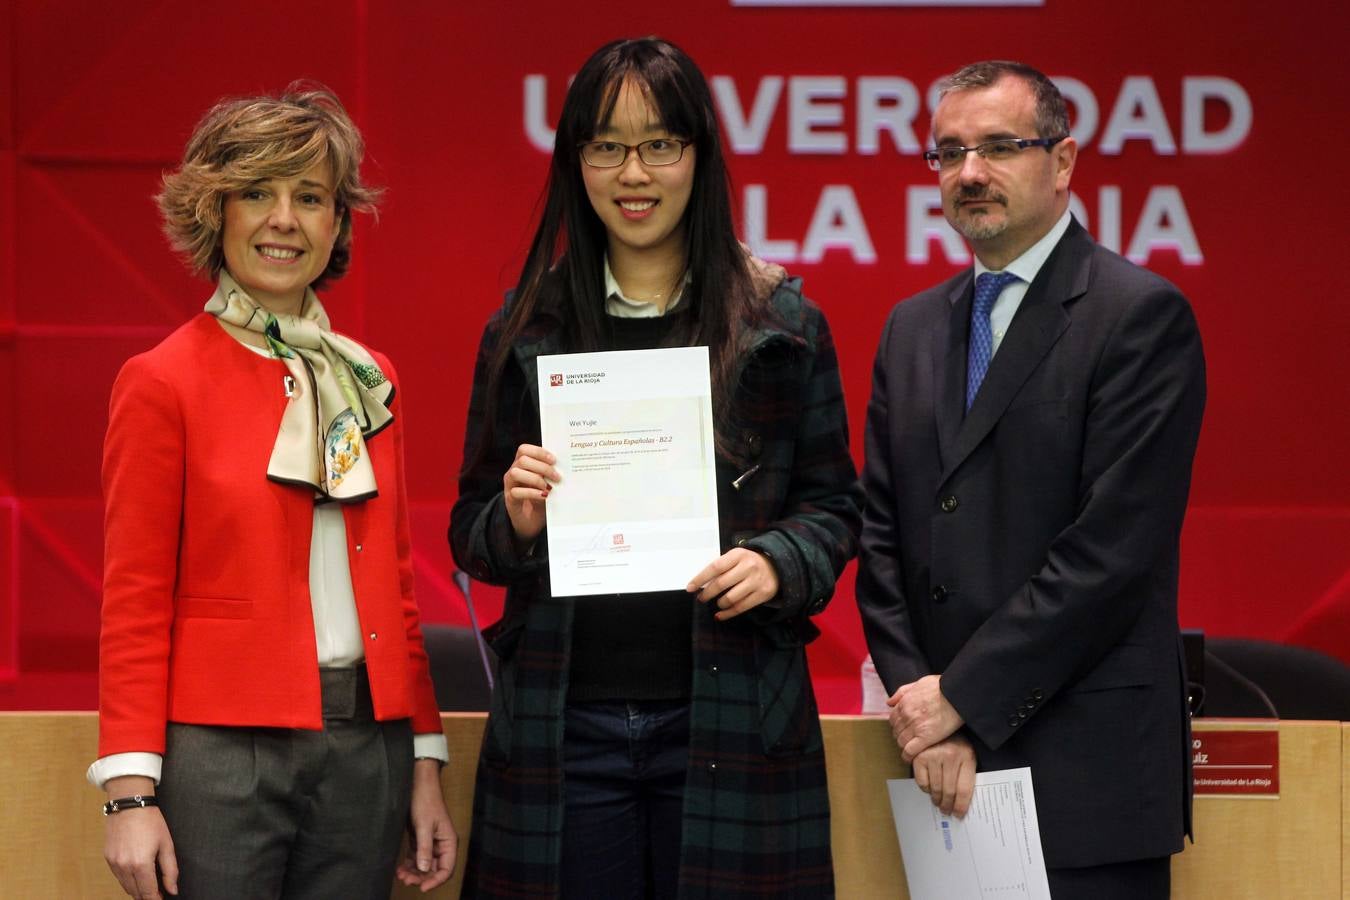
994, 852
636, 509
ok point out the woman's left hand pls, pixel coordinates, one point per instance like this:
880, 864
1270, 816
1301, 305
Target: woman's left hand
739, 580
432, 842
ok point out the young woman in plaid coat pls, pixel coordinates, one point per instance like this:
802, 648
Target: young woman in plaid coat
665, 744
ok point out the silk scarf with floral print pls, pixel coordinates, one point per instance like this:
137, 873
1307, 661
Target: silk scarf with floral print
337, 395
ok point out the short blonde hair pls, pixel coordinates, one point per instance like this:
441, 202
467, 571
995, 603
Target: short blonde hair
241, 141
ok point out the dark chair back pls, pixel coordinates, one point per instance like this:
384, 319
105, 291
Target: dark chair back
1299, 683
457, 668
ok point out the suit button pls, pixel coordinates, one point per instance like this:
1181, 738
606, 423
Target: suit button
949, 504
372, 635
939, 594
1013, 721
712, 670
1037, 695
754, 444
358, 548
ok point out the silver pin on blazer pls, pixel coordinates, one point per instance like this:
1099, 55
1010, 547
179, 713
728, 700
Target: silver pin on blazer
288, 383
745, 476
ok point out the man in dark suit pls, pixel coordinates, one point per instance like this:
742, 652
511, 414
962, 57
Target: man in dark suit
1029, 446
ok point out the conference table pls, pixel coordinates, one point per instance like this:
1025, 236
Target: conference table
1291, 845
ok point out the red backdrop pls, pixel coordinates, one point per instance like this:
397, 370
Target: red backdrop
1201, 125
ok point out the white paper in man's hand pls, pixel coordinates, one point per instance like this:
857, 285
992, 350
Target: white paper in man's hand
994, 852
636, 509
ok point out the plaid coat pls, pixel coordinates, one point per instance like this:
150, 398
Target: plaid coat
756, 811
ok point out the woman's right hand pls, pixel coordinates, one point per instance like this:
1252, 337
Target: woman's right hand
137, 844
526, 486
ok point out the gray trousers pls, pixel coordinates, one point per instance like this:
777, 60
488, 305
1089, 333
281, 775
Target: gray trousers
272, 813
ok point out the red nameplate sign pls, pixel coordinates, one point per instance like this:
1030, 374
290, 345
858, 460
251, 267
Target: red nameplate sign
1236, 762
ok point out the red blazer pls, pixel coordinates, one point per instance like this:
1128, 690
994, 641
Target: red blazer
206, 606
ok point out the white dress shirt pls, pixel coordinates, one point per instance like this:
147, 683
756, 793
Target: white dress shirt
1025, 268
617, 304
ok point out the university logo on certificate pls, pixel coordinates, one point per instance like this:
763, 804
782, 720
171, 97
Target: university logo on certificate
636, 509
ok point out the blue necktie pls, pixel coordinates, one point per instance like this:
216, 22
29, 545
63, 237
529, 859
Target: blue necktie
987, 288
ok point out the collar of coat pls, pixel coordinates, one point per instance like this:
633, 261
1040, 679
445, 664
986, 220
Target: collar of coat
542, 337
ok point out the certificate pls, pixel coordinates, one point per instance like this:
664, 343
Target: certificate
994, 852
636, 509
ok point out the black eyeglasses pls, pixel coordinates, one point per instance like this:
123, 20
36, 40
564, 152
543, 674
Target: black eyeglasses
990, 151
610, 154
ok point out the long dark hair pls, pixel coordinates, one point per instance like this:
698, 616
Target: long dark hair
563, 274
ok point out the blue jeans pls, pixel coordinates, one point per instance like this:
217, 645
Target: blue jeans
623, 796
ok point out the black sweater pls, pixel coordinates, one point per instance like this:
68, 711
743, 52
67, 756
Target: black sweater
634, 646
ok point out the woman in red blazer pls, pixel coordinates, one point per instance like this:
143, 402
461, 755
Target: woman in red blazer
260, 659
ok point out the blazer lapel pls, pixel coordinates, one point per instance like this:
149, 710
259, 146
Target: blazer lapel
950, 339
1037, 326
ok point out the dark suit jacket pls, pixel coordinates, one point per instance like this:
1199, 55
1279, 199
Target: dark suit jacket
1027, 550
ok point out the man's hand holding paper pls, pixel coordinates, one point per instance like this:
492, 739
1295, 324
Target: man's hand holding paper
946, 773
